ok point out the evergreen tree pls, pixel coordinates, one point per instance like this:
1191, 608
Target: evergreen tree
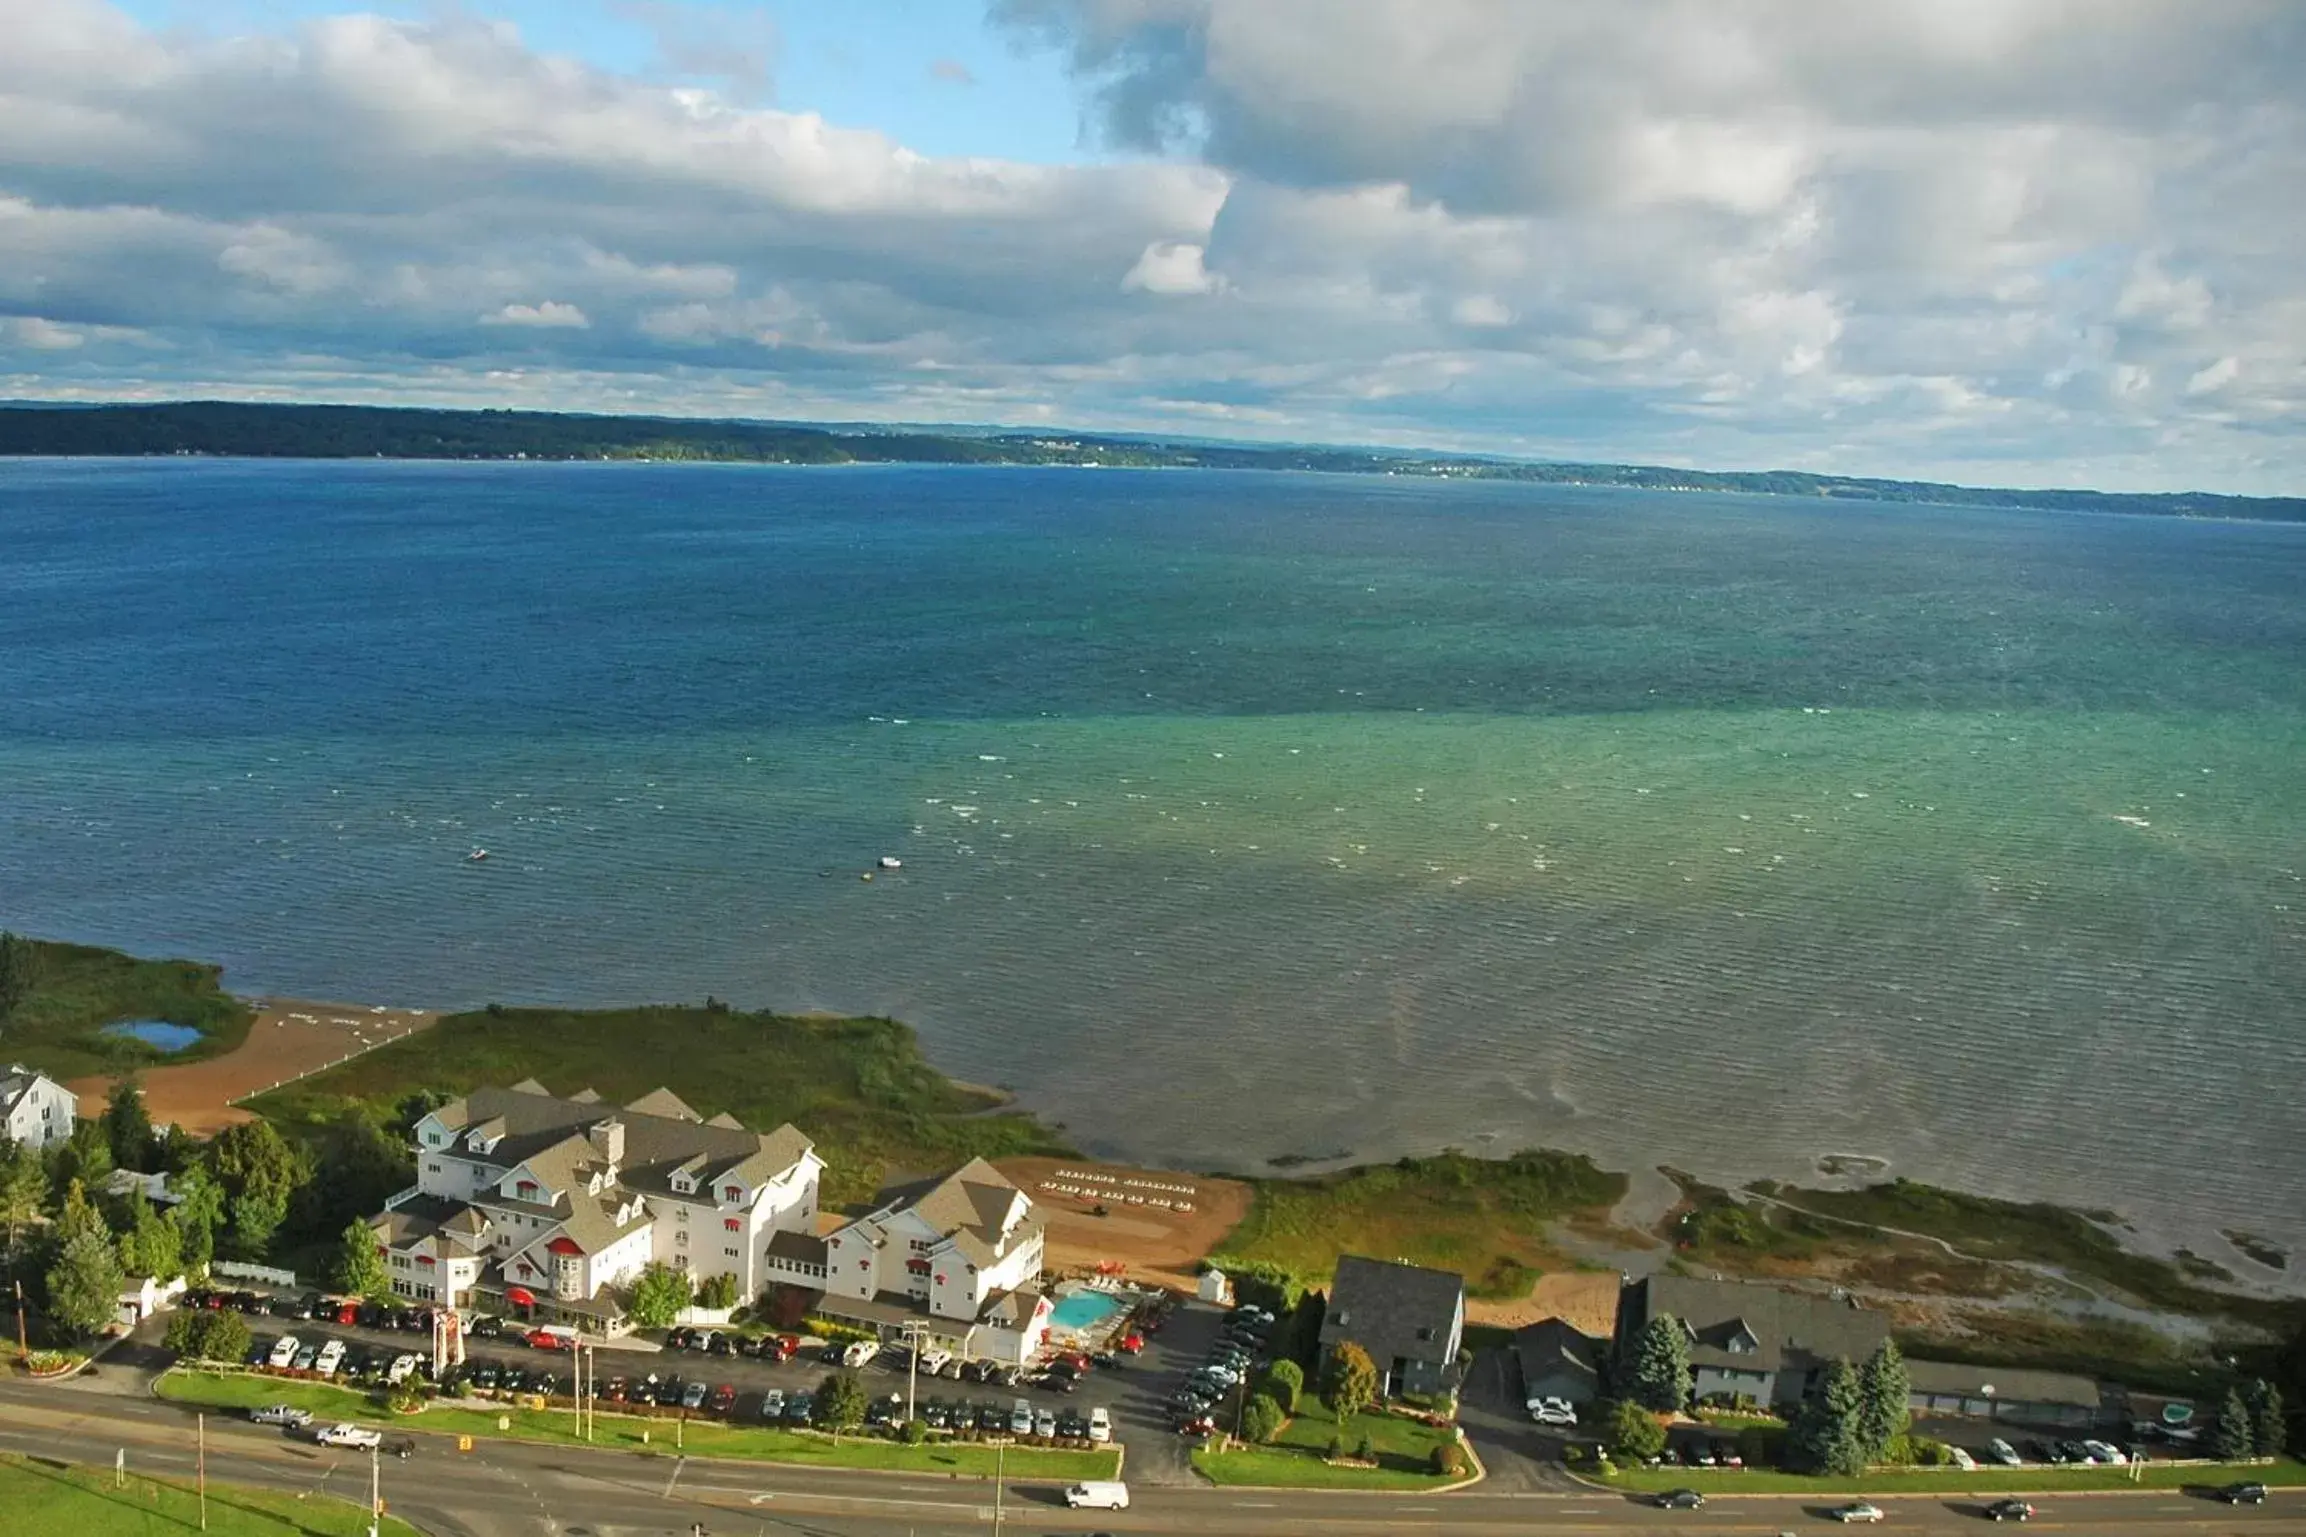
2269, 1432
128, 1125
2233, 1438
1658, 1374
196, 1218
1885, 1407
359, 1268
84, 1158
1828, 1436
19, 965
84, 1283
1348, 1381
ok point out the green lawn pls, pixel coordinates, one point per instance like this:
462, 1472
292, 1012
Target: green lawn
1482, 1217
698, 1438
37, 1496
1296, 1459
1954, 1482
859, 1087
79, 989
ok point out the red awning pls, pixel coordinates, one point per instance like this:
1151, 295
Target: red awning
564, 1246
520, 1296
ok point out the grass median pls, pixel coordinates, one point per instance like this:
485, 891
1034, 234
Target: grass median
1298, 1457
634, 1433
38, 1494
1953, 1483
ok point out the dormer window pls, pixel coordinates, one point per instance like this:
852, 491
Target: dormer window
525, 1189
732, 1192
683, 1184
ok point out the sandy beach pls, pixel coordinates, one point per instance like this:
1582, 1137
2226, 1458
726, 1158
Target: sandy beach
291, 1039
1158, 1244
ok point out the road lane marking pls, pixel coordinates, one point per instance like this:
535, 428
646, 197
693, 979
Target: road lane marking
1252, 1504
678, 1464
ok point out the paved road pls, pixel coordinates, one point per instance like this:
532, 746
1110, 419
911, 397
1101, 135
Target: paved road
510, 1489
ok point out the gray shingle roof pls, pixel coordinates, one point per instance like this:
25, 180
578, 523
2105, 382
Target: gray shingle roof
1552, 1348
1788, 1328
1390, 1309
2014, 1385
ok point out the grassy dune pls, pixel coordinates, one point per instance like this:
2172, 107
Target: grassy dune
859, 1087
1484, 1218
79, 989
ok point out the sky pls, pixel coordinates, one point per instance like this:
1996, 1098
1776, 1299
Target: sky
1991, 241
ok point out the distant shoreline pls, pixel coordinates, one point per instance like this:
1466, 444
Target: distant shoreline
237, 430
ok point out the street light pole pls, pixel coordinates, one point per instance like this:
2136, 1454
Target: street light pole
200, 1427
375, 1495
1000, 1456
913, 1333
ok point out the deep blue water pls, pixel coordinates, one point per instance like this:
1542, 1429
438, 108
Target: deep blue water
1241, 815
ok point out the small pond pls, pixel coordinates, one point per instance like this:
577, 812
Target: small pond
155, 1032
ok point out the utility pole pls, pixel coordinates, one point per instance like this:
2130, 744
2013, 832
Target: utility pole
913, 1333
23, 1347
1000, 1455
200, 1429
375, 1495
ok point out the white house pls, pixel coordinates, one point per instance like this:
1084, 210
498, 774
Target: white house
960, 1255
522, 1193
35, 1109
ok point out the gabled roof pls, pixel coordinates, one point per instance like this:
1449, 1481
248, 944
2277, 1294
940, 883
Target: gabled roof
585, 1097
530, 1086
1552, 1348
1790, 1328
2013, 1385
666, 1103
796, 1248
725, 1119
538, 1127
19, 1081
976, 1206
1391, 1309
1011, 1309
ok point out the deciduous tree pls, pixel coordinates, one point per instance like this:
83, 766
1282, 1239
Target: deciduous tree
207, 1334
719, 1291
359, 1267
1631, 1431
151, 1245
658, 1296
1348, 1380
128, 1125
23, 1190
841, 1402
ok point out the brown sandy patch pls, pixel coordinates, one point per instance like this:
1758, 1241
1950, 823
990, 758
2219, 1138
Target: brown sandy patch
1156, 1244
1585, 1299
291, 1039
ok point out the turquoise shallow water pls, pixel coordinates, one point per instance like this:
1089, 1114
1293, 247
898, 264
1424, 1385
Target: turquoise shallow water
1240, 816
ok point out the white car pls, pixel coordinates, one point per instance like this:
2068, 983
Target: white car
934, 1361
860, 1352
1856, 1511
282, 1414
403, 1367
1552, 1411
284, 1352
2004, 1453
2100, 1451
773, 1404
1962, 1459
1100, 1424
1045, 1423
347, 1434
330, 1358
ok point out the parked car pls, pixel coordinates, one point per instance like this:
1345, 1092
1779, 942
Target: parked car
403, 1367
1045, 1423
1680, 1499
693, 1396
723, 1400
331, 1357
858, 1352
486, 1375
1856, 1510
1726, 1453
1100, 1424
2009, 1510
678, 1339
347, 1434
485, 1328
550, 1338
773, 1404
721, 1345
800, 1408
305, 1356
282, 1414
2105, 1452
1021, 1418
2004, 1453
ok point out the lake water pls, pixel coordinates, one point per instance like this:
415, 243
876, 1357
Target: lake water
157, 1033
1241, 816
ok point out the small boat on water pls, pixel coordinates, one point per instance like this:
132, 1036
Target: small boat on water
476, 856
891, 862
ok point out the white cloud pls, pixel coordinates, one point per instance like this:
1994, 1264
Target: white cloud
37, 335
1170, 267
551, 315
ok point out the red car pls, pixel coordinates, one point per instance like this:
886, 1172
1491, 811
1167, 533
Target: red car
783, 1348
545, 1339
1131, 1344
348, 1313
1075, 1359
723, 1400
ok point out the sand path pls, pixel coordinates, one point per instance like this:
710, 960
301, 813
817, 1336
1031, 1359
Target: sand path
291, 1039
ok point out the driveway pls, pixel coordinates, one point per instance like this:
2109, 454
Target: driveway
1521, 1457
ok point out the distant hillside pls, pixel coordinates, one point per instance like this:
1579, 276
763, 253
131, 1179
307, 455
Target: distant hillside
361, 432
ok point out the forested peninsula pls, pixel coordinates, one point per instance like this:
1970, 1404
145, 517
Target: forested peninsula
239, 430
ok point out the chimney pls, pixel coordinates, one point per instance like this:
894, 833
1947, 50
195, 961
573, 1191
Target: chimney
608, 1139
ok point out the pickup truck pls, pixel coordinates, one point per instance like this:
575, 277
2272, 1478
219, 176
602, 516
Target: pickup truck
347, 1434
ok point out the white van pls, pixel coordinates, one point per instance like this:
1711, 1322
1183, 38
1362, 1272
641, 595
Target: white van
1098, 1496
284, 1352
1100, 1424
1021, 1418
860, 1352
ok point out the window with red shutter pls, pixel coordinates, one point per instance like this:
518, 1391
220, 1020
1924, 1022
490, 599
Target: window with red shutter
731, 1223
733, 1192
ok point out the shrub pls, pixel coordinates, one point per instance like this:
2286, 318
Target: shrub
1336, 1448
1284, 1381
1363, 1451
915, 1432
1631, 1431
1448, 1460
719, 1291
1762, 1446
1262, 1420
209, 1336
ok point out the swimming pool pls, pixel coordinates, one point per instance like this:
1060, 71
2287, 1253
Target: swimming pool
1085, 1310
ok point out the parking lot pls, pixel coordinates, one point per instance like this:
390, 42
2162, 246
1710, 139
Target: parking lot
1132, 1392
